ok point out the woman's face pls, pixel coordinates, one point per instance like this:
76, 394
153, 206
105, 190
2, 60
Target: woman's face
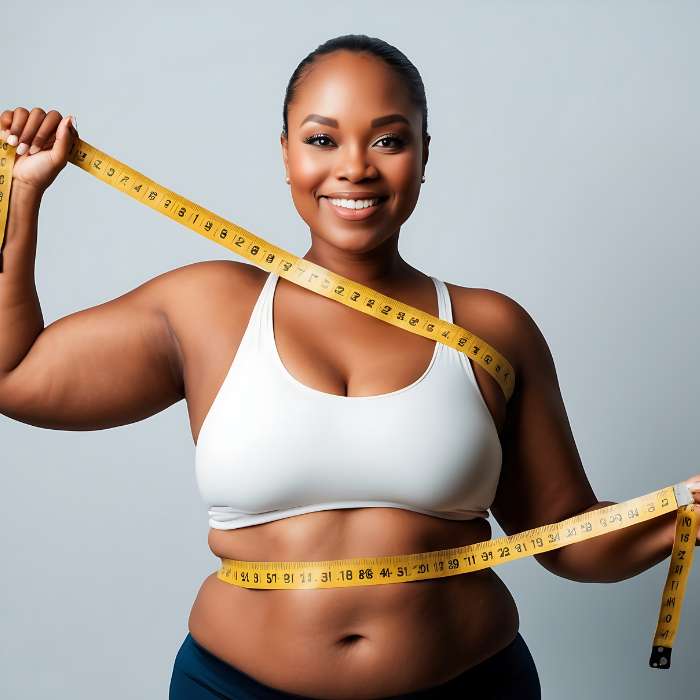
350, 157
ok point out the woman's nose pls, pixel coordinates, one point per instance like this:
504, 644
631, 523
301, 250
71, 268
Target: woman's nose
353, 164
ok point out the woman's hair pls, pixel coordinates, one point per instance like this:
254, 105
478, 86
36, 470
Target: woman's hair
361, 43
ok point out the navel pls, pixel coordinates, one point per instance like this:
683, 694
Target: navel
350, 640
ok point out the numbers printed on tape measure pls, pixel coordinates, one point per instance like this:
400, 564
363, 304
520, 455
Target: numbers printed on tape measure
411, 567
7, 160
458, 560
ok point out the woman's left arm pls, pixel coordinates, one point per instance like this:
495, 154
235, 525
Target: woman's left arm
542, 478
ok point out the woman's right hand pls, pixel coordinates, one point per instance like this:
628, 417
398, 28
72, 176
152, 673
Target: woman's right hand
44, 141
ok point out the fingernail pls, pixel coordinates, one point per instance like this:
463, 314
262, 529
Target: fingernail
12, 140
32, 150
74, 122
21, 149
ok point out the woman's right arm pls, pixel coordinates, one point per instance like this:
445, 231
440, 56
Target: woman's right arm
109, 365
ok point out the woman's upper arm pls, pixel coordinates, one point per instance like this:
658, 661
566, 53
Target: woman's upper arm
542, 478
105, 366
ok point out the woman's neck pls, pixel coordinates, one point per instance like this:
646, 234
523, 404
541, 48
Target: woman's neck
380, 267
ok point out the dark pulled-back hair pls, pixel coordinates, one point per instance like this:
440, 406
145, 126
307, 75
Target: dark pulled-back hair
361, 43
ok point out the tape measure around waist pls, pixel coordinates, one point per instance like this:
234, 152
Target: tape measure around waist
402, 568
368, 571
271, 258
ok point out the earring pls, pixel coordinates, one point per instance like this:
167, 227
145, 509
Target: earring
423, 179
287, 179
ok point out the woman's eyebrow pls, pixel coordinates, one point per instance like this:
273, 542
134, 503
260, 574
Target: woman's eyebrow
379, 121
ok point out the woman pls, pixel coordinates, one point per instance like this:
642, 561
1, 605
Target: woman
321, 433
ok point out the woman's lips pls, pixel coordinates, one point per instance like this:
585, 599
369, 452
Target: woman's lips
353, 214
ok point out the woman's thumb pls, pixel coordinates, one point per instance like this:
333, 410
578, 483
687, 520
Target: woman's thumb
65, 133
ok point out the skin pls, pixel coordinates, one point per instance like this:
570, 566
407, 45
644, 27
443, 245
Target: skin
170, 339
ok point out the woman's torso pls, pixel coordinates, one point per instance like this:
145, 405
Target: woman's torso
366, 641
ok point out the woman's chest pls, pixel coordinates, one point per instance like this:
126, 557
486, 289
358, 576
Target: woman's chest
322, 354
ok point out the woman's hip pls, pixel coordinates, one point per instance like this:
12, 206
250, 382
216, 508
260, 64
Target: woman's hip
200, 675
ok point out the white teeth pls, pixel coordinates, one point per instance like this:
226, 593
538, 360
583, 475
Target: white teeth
354, 203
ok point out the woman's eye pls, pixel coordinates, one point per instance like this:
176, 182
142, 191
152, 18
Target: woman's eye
399, 141
312, 139
316, 137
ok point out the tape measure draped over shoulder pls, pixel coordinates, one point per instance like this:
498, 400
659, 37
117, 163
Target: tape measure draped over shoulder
273, 259
403, 568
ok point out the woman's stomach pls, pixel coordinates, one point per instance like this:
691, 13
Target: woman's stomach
354, 642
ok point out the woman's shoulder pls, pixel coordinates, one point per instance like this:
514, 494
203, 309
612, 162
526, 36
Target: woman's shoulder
197, 289
208, 277
208, 272
495, 317
486, 304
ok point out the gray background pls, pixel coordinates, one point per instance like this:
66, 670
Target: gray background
563, 172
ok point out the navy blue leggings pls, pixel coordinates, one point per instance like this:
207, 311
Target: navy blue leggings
509, 674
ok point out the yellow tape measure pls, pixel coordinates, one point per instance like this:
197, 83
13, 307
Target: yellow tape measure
272, 258
401, 568
409, 567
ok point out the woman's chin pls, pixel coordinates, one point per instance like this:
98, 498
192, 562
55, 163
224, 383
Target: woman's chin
352, 241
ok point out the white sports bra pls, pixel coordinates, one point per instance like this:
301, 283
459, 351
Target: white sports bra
271, 447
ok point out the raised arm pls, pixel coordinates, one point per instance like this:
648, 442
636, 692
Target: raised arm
105, 366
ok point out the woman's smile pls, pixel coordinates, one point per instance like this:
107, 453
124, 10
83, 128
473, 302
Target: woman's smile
353, 209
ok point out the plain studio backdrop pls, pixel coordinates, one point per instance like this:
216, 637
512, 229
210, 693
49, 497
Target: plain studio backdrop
563, 173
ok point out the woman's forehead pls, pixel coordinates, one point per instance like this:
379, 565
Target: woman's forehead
351, 85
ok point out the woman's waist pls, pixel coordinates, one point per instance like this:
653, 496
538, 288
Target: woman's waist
463, 607
353, 533
436, 627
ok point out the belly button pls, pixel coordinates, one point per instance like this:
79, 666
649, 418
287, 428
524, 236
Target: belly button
350, 639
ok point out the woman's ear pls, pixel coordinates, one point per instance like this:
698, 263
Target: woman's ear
283, 142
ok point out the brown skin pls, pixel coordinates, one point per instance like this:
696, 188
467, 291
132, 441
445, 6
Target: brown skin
168, 339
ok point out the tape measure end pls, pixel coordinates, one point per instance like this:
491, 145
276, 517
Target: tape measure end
660, 657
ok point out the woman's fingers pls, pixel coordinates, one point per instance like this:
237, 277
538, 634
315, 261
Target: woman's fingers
43, 136
19, 119
30, 132
693, 484
31, 126
43, 141
6, 119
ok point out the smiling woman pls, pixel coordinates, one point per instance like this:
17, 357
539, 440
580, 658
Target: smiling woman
300, 476
321, 433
